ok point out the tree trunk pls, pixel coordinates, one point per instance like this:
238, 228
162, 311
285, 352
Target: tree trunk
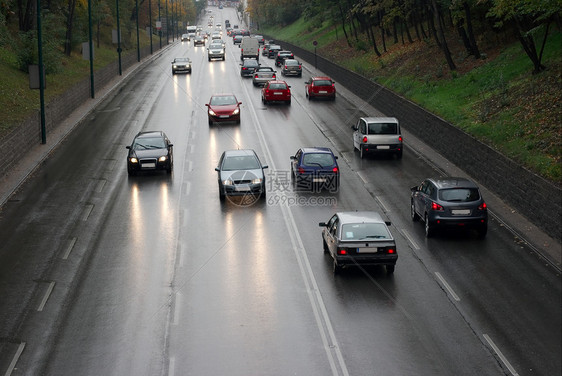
464, 37
473, 45
69, 20
382, 32
395, 30
25, 14
405, 25
416, 28
444, 46
342, 15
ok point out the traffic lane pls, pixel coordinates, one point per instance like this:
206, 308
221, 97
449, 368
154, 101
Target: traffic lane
288, 129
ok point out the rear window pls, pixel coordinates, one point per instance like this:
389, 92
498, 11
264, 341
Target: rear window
383, 128
291, 62
459, 194
322, 83
318, 160
277, 86
364, 231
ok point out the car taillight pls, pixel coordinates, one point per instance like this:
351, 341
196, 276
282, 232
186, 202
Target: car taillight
301, 170
365, 139
342, 251
274, 76
285, 67
483, 206
335, 170
400, 138
255, 76
390, 250
436, 206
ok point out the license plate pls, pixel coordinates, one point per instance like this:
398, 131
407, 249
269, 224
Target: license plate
367, 250
383, 147
223, 116
148, 165
318, 180
322, 92
460, 211
242, 189
277, 93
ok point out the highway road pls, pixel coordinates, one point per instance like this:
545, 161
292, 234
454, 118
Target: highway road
106, 274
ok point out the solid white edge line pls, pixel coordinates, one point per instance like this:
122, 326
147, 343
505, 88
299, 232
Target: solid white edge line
386, 210
15, 359
46, 296
302, 258
69, 248
362, 177
446, 285
500, 355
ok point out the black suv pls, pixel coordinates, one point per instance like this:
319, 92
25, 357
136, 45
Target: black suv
281, 56
272, 51
450, 202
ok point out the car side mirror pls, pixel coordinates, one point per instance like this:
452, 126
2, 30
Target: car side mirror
127, 147
354, 127
264, 167
307, 83
387, 223
217, 169
293, 157
207, 104
322, 224
414, 189
239, 103
335, 156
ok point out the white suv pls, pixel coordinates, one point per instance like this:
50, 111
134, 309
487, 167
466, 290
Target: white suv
377, 135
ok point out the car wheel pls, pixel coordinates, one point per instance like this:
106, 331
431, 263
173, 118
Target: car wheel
288, 102
429, 228
413, 214
325, 246
390, 269
223, 58
173, 72
333, 98
336, 268
361, 152
399, 155
482, 231
209, 59
210, 122
131, 172
222, 196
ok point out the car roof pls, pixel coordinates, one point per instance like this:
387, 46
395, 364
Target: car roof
321, 78
375, 119
314, 149
360, 217
278, 82
223, 95
148, 134
444, 182
239, 152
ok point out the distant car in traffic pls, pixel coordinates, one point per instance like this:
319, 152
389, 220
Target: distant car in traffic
272, 50
449, 202
223, 107
320, 87
359, 238
184, 37
215, 51
262, 75
281, 56
150, 151
198, 40
181, 64
248, 67
291, 67
240, 173
276, 91
377, 135
315, 168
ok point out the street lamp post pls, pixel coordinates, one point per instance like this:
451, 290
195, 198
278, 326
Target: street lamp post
118, 37
138, 38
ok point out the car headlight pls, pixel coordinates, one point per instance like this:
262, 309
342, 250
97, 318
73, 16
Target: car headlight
256, 181
133, 160
212, 113
227, 182
163, 158
175, 66
236, 112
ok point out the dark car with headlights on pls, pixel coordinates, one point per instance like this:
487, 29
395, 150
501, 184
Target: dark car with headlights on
181, 64
359, 238
223, 107
320, 87
315, 168
449, 202
199, 40
150, 151
248, 67
240, 173
276, 91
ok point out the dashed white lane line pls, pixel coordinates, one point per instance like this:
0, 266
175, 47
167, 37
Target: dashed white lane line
177, 307
46, 296
500, 355
69, 248
410, 239
15, 359
381, 203
87, 211
100, 185
447, 287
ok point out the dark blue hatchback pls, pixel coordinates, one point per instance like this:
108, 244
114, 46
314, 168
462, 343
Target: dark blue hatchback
315, 168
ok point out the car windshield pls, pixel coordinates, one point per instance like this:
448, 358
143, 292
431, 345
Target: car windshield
322, 82
318, 159
182, 60
240, 162
365, 231
459, 194
216, 45
278, 86
149, 143
382, 128
223, 100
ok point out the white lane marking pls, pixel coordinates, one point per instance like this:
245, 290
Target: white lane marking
190, 166
410, 239
501, 356
69, 248
172, 366
15, 359
381, 203
187, 188
362, 177
87, 211
321, 316
177, 307
182, 254
446, 285
46, 296
184, 217
100, 185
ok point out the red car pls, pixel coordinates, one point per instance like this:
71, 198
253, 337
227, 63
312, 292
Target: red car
320, 87
276, 91
223, 107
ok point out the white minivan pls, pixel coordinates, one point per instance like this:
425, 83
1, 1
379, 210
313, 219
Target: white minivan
249, 48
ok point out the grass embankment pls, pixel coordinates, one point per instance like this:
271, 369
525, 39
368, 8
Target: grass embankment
497, 99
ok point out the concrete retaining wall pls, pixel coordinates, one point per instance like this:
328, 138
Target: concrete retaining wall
533, 196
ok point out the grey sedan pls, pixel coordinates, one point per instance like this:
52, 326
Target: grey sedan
359, 239
240, 173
